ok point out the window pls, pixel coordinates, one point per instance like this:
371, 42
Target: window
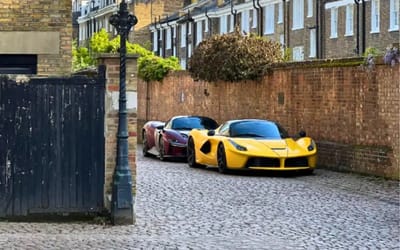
280, 12
183, 36
313, 40
18, 64
374, 16
269, 26
232, 23
334, 22
394, 15
199, 32
183, 63
155, 40
245, 21
255, 19
349, 20
298, 14
189, 50
206, 25
168, 46
174, 42
223, 24
310, 8
298, 53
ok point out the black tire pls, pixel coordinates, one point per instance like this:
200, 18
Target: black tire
191, 155
221, 159
145, 145
309, 171
161, 153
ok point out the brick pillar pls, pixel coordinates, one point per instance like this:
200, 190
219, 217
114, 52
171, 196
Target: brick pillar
111, 61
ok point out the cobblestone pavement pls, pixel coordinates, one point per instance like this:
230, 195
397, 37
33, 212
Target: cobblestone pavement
182, 208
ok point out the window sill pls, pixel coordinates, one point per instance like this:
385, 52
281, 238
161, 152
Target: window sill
394, 29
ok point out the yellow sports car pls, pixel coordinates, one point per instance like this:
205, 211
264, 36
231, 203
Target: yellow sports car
251, 144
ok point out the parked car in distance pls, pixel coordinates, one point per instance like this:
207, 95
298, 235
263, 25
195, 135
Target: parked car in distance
251, 144
169, 139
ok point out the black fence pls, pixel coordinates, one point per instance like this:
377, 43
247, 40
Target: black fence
51, 146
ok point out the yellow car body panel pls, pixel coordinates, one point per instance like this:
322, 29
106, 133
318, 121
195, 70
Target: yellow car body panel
280, 150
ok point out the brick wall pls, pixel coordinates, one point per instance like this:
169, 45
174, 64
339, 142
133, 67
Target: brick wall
41, 16
352, 112
111, 117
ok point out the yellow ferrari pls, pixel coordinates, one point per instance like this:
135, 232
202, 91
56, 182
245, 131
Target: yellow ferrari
251, 144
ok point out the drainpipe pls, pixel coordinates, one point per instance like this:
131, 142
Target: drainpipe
172, 35
318, 29
285, 24
234, 14
187, 39
209, 24
160, 47
358, 51
260, 18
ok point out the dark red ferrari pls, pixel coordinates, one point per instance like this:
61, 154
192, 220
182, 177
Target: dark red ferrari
169, 139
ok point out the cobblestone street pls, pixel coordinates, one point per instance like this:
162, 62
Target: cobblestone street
182, 208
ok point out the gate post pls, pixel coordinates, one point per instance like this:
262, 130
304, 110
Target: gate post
122, 200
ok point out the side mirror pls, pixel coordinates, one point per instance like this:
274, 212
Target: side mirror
302, 133
211, 132
160, 127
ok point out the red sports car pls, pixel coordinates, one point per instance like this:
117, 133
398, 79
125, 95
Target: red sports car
169, 139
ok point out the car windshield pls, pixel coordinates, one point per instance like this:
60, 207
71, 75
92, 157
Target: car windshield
257, 129
188, 123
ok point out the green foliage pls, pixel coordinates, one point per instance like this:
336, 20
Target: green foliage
154, 68
150, 67
81, 58
233, 57
371, 51
100, 42
287, 54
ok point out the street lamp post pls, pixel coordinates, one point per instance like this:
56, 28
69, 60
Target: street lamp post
122, 200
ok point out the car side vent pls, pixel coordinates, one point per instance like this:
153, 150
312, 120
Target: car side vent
206, 148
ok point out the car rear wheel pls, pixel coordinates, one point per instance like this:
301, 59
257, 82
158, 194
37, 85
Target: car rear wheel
145, 145
221, 159
191, 155
161, 149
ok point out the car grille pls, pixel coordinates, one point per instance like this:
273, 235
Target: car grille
274, 162
296, 162
263, 162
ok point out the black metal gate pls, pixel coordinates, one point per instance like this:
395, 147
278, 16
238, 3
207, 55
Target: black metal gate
51, 146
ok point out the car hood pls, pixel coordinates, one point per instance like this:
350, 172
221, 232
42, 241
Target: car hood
280, 148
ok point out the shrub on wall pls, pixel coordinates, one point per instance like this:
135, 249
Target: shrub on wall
150, 67
154, 68
233, 57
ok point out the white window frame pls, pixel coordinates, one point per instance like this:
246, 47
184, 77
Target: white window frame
280, 12
298, 14
349, 31
310, 8
375, 16
223, 24
183, 63
269, 23
183, 36
168, 42
199, 32
394, 15
313, 40
245, 23
334, 22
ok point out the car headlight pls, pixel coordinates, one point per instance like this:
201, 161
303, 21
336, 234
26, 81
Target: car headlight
312, 146
237, 146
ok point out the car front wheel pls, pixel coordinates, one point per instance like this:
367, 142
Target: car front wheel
145, 145
161, 149
191, 154
221, 159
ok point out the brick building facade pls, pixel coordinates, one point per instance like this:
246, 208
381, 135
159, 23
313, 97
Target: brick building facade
36, 37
